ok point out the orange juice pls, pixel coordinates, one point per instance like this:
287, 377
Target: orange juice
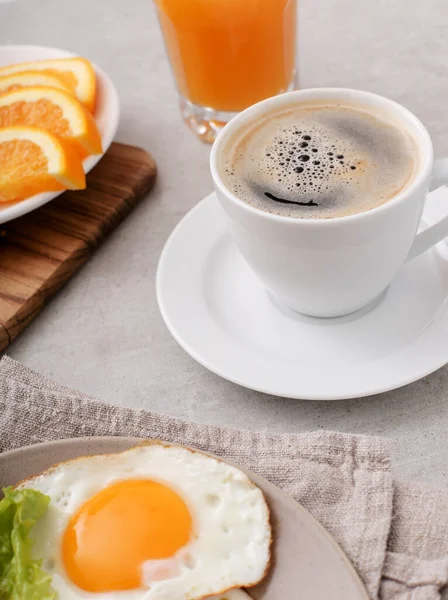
229, 54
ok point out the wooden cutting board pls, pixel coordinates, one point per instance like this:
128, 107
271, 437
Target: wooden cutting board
40, 251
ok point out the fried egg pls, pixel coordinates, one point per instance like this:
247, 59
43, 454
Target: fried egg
155, 522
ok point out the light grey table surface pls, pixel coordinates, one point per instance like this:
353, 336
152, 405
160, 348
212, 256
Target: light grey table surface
103, 333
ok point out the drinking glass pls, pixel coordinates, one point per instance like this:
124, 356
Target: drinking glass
226, 55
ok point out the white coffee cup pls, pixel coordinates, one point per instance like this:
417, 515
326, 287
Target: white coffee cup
332, 267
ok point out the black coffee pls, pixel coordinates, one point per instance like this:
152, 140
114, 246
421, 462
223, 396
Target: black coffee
319, 161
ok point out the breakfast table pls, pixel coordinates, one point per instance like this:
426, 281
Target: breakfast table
103, 333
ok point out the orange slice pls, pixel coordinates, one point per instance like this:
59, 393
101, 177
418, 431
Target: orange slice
77, 73
16, 81
56, 110
34, 160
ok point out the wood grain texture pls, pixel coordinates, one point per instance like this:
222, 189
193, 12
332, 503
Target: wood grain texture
40, 251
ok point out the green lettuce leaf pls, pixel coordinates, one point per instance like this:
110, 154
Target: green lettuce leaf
21, 577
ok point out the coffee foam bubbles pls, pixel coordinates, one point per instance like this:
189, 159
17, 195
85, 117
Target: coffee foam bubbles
319, 162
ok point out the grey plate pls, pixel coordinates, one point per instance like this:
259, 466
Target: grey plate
307, 561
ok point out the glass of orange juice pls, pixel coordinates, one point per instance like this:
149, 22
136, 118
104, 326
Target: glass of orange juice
227, 54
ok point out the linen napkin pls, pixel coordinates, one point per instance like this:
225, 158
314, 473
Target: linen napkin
395, 534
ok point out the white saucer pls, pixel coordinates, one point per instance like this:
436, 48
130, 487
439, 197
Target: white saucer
107, 112
220, 314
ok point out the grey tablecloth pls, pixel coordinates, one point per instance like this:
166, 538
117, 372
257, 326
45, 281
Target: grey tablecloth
395, 533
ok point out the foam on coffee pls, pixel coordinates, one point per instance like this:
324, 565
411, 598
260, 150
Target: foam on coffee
319, 161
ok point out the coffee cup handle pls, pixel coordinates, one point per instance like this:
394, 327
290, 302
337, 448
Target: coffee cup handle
437, 232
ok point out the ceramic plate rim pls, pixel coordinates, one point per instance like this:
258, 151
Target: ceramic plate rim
258, 479
29, 204
188, 346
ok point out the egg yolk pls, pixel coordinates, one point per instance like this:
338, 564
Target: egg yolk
110, 536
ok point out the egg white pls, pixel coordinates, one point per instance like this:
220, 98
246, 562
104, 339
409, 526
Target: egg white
231, 543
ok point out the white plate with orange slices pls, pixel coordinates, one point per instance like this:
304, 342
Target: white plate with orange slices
58, 115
